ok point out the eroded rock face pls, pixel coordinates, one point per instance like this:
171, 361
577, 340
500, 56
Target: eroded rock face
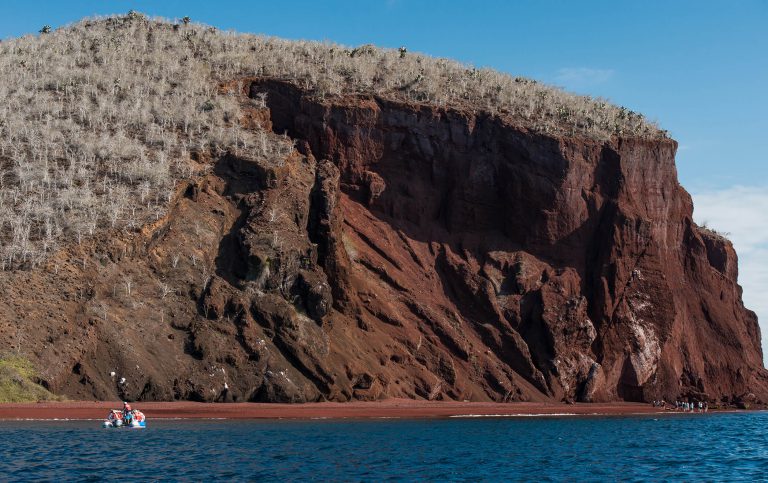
406, 251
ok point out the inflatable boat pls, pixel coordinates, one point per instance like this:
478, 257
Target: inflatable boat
133, 419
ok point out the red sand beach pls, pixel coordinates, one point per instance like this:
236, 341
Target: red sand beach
392, 408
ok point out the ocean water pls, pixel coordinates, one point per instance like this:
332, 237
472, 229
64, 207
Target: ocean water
675, 447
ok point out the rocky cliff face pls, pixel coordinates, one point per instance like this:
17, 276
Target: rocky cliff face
401, 251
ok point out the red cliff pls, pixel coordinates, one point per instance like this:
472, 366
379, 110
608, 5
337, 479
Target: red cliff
403, 250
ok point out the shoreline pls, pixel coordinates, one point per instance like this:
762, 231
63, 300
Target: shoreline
390, 408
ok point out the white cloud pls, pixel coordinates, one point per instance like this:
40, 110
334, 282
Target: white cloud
742, 213
754, 278
583, 76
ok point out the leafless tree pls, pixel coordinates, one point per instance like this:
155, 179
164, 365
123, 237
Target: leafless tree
98, 119
128, 283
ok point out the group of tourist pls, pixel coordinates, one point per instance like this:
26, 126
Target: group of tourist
700, 406
685, 406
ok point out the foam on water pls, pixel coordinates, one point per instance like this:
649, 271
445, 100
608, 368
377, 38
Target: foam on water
540, 415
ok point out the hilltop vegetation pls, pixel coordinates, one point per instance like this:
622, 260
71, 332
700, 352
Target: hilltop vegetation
99, 120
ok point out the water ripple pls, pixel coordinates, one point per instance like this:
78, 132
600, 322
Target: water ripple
697, 447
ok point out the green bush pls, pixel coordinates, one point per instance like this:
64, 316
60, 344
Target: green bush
17, 384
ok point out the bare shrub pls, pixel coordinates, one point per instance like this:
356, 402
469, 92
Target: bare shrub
98, 119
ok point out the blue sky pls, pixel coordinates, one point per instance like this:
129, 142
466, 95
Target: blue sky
700, 68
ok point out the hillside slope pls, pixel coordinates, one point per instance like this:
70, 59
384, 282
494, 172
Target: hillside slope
297, 222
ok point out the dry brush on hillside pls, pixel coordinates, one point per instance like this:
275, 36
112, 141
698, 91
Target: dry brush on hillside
98, 120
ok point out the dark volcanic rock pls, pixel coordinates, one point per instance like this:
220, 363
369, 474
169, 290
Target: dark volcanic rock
405, 251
